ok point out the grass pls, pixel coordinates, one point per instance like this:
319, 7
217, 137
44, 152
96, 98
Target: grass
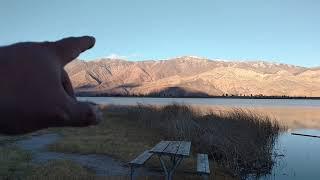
62, 170
15, 164
239, 141
120, 138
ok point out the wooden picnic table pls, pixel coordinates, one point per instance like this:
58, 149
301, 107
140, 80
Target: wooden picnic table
176, 151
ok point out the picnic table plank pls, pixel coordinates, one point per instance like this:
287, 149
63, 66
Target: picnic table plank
172, 148
203, 164
184, 148
176, 150
160, 147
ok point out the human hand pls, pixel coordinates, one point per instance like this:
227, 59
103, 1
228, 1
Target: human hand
36, 92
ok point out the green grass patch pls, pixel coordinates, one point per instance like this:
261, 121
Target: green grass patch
62, 170
114, 136
14, 162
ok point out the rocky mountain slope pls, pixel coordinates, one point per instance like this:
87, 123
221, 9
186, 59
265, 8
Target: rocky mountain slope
186, 76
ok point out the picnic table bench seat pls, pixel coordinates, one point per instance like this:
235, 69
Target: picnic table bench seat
139, 161
203, 168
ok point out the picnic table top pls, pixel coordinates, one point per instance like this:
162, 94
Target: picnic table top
172, 148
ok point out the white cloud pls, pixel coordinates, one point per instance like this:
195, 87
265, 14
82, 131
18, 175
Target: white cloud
116, 56
130, 56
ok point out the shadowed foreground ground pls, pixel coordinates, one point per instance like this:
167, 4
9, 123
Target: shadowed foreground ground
101, 165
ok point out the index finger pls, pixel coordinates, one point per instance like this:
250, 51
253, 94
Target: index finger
70, 48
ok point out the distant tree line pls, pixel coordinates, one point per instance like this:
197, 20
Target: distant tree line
171, 95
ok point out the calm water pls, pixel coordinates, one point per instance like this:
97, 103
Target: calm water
301, 158
206, 101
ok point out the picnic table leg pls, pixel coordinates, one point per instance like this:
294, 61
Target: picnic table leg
205, 177
175, 162
163, 165
131, 172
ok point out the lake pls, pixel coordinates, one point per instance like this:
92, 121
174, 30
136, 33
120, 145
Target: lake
206, 101
301, 158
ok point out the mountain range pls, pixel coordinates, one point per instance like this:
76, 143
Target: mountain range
192, 76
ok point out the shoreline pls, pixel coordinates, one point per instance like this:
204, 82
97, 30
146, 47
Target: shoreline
206, 102
205, 97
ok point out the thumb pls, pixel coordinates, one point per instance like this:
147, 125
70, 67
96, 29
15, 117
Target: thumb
70, 48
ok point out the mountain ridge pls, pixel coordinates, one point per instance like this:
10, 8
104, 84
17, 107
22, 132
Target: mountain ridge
193, 74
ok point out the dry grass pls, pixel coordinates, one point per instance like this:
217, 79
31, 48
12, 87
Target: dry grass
239, 140
122, 136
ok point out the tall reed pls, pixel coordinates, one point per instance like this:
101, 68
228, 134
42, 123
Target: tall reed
239, 140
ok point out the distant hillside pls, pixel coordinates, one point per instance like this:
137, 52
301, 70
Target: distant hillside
192, 76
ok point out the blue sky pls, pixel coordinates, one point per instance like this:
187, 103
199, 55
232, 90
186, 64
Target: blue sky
285, 31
